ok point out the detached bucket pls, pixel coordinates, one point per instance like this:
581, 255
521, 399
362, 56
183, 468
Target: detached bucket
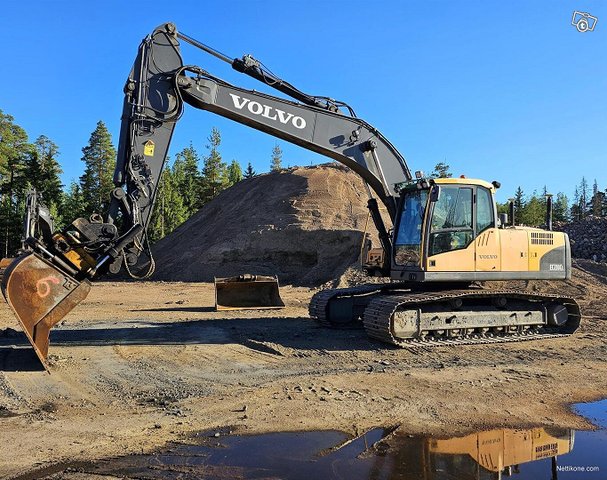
247, 291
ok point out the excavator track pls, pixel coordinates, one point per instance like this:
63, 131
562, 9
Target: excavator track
319, 304
380, 304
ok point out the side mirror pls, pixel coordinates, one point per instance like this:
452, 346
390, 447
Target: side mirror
435, 193
503, 220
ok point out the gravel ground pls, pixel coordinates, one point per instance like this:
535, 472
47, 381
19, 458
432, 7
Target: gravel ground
140, 364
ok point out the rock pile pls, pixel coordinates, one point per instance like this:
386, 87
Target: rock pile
588, 237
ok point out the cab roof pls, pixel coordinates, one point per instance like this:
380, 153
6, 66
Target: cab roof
464, 181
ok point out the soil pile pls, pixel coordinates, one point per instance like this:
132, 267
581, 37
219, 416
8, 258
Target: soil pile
304, 224
588, 237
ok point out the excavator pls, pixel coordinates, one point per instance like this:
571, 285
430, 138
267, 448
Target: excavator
445, 234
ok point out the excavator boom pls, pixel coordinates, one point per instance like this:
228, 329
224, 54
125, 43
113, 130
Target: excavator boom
53, 273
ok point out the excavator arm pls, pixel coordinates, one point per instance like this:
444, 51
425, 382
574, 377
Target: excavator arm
54, 271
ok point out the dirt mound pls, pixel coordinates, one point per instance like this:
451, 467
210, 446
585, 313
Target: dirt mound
304, 224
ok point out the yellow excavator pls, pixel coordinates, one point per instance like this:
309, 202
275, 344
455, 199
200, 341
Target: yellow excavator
445, 233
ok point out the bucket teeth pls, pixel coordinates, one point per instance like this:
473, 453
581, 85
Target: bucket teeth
40, 295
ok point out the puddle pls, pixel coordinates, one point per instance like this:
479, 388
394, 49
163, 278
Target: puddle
534, 453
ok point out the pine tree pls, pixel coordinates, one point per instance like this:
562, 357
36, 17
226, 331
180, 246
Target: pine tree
214, 174
441, 170
249, 172
99, 157
234, 173
15, 150
276, 164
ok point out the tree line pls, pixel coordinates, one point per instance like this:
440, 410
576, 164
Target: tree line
530, 209
186, 184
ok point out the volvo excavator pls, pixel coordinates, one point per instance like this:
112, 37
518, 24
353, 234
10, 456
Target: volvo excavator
445, 234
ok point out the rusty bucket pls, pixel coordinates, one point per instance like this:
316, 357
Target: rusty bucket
247, 292
40, 295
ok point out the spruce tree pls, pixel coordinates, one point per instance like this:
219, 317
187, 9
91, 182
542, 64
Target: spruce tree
596, 202
214, 172
43, 172
249, 172
560, 208
276, 164
534, 211
169, 210
99, 157
519, 205
575, 207
72, 206
234, 173
584, 198
188, 178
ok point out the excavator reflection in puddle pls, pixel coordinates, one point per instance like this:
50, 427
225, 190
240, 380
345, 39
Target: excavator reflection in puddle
486, 455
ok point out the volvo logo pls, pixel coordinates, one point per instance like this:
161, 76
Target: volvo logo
267, 111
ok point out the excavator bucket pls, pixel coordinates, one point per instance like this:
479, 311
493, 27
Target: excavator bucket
40, 294
247, 292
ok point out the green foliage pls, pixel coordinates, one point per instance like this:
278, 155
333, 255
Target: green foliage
15, 151
441, 170
170, 210
234, 173
597, 201
276, 163
560, 207
43, 172
72, 206
99, 157
249, 172
534, 211
187, 178
214, 172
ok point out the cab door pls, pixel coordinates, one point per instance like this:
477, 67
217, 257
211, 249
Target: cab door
450, 243
487, 243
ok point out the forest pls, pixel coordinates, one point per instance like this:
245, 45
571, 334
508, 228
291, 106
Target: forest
189, 181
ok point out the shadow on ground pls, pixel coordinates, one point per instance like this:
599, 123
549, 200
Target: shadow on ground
298, 333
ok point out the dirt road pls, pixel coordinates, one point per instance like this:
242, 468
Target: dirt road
138, 364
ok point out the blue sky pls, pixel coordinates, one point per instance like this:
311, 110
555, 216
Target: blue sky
504, 90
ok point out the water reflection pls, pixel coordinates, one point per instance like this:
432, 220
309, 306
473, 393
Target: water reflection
380, 454
493, 454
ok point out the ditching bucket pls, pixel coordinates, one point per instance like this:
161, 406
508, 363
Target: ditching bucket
40, 295
247, 292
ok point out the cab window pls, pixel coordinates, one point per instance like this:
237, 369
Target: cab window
407, 247
484, 210
451, 226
